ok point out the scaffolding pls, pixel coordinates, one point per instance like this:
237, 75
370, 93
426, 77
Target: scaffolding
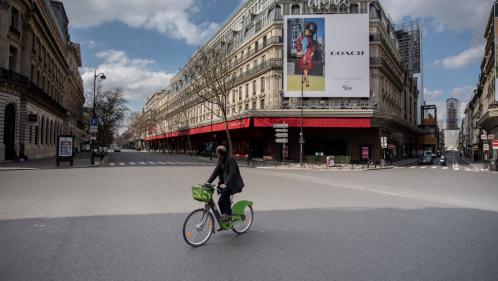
410, 46
452, 114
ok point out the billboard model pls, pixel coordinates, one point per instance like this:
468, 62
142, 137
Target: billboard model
327, 56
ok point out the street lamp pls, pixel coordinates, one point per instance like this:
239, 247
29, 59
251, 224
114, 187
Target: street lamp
301, 136
101, 76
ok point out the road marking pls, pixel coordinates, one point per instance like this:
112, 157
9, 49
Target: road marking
423, 167
112, 164
456, 168
122, 163
171, 163
162, 163
132, 163
142, 163
468, 170
152, 163
445, 168
434, 167
413, 167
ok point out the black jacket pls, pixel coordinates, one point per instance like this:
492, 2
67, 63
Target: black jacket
229, 174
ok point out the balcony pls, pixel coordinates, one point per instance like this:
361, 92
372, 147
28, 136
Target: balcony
32, 90
334, 103
271, 63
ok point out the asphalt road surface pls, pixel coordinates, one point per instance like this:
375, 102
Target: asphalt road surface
124, 223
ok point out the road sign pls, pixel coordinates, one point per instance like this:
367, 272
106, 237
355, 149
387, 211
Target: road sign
485, 147
390, 146
280, 126
94, 136
282, 135
301, 140
281, 130
282, 140
491, 137
93, 126
495, 144
484, 137
383, 142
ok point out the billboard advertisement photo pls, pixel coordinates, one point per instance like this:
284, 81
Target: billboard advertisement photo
326, 56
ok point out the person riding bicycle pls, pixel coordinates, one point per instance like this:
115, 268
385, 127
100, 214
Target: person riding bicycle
230, 181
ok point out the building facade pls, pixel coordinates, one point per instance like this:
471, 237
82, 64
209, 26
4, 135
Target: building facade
452, 114
348, 128
41, 90
481, 113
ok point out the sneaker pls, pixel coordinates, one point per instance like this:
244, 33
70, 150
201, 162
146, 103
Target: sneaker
226, 218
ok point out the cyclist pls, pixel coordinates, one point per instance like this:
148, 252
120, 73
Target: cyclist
230, 181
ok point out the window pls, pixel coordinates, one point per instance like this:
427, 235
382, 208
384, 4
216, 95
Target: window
254, 87
262, 84
12, 59
246, 106
264, 41
295, 10
253, 105
32, 73
354, 9
247, 91
14, 20
256, 46
33, 44
240, 93
263, 59
262, 104
240, 108
36, 134
233, 96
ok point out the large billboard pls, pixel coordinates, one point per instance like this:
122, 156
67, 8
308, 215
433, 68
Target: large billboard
327, 55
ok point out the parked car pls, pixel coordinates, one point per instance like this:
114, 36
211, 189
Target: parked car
117, 149
426, 160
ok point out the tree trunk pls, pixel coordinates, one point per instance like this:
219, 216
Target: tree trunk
189, 144
229, 138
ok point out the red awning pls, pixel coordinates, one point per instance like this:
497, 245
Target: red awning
315, 122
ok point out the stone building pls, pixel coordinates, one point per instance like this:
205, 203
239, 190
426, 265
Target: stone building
349, 128
41, 90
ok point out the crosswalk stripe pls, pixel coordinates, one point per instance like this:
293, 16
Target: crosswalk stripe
468, 169
423, 167
142, 163
445, 168
152, 163
413, 167
171, 163
132, 163
434, 167
162, 163
112, 164
456, 168
121, 164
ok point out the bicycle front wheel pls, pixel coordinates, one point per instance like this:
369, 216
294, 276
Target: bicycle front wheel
198, 227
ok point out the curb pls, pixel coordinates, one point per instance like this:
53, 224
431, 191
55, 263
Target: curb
375, 169
16, 169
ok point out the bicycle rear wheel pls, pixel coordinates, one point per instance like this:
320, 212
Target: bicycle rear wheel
198, 227
244, 225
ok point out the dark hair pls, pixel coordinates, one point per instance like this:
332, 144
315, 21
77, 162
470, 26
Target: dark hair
312, 27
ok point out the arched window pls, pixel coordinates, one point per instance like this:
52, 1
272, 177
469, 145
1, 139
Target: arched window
374, 12
42, 129
295, 9
354, 9
343, 9
47, 131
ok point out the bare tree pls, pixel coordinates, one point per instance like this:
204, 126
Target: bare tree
213, 80
111, 111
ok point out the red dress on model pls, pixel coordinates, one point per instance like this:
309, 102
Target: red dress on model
306, 61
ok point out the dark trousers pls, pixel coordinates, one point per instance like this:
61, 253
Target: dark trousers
224, 202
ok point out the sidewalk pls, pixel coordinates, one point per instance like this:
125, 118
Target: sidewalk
47, 163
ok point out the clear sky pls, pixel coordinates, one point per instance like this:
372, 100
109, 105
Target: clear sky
140, 44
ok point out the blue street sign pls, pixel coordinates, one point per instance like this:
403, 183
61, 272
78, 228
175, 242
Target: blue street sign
93, 122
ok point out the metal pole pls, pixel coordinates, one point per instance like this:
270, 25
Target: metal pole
92, 160
211, 135
301, 138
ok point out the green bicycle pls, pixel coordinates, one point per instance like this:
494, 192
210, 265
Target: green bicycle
199, 225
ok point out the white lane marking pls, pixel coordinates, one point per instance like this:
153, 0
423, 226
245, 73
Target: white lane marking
122, 163
413, 167
423, 167
132, 163
162, 163
456, 168
171, 163
152, 163
142, 163
445, 168
434, 167
468, 169
112, 164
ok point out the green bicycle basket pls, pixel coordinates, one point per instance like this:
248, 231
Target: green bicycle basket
201, 194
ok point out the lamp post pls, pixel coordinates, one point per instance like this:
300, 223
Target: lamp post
94, 114
301, 136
